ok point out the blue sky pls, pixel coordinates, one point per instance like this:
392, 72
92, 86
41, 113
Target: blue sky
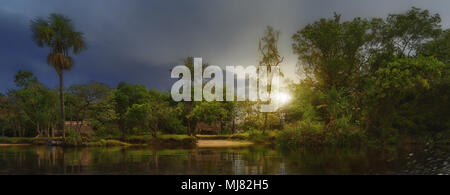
138, 41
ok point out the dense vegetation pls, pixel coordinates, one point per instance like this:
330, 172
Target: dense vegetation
376, 79
373, 79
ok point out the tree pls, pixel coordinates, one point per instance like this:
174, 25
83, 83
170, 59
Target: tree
188, 106
170, 118
268, 48
400, 35
330, 51
33, 103
372, 74
213, 111
124, 97
398, 85
405, 33
439, 47
59, 34
86, 101
143, 116
3, 113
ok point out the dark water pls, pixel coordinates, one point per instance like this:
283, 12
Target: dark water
246, 160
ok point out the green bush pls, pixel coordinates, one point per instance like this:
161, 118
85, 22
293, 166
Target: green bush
312, 133
73, 138
105, 130
106, 142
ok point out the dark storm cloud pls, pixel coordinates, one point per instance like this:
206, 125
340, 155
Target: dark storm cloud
139, 40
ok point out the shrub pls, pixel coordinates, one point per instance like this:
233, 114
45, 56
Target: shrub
73, 138
312, 133
106, 142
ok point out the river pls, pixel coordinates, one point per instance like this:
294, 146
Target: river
237, 160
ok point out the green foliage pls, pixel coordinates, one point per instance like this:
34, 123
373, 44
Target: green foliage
16, 140
405, 33
140, 110
125, 96
397, 90
439, 47
73, 138
408, 75
208, 111
311, 133
378, 78
260, 137
331, 50
106, 143
142, 118
32, 106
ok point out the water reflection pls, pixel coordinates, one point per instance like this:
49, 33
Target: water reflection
246, 160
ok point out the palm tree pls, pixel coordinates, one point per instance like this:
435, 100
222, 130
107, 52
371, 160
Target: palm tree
59, 35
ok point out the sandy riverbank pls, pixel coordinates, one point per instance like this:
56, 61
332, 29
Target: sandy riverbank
4, 145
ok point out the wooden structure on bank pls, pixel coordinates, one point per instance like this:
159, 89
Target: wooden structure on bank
83, 127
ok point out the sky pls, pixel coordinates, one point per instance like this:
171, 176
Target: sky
139, 41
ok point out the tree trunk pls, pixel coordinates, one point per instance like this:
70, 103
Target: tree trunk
280, 115
15, 130
61, 102
188, 127
53, 130
38, 130
233, 127
265, 122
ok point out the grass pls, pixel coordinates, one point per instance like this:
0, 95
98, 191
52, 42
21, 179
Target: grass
266, 138
16, 140
162, 140
255, 136
173, 136
240, 136
106, 142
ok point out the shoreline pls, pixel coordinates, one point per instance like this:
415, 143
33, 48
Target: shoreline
217, 143
169, 141
7, 145
199, 141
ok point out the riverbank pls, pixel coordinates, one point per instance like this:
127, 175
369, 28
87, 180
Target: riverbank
8, 145
257, 137
163, 140
286, 139
168, 141
217, 143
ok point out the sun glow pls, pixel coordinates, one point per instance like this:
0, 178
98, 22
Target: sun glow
282, 98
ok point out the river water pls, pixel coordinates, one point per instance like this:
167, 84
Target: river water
241, 160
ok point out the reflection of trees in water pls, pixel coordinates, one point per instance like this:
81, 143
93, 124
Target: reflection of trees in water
330, 160
31, 160
141, 161
246, 160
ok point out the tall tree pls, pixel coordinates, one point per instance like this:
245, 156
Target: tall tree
268, 48
188, 106
59, 34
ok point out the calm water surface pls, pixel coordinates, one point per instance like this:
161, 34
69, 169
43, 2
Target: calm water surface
243, 160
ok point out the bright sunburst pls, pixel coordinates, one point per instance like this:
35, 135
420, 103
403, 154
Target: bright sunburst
282, 98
